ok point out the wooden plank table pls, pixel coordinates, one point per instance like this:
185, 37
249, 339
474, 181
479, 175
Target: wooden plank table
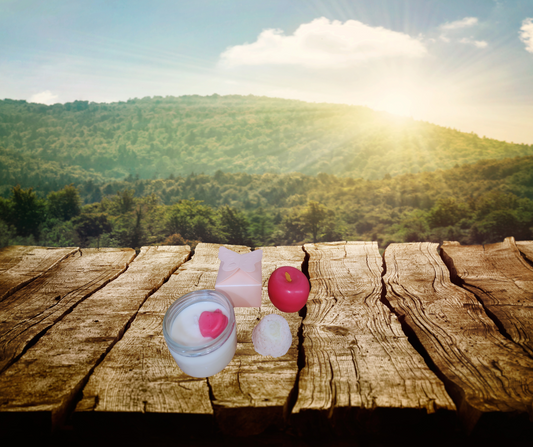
413, 347
485, 372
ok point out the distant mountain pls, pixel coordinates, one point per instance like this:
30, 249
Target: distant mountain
49, 146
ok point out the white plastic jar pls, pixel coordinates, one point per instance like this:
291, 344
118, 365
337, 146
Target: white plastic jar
196, 355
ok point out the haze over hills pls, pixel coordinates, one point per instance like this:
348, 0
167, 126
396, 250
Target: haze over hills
46, 147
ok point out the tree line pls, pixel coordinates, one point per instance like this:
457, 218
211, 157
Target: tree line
479, 203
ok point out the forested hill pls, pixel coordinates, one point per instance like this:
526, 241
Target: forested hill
46, 147
473, 204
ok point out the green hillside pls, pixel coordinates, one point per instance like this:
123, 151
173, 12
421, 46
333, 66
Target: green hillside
479, 203
46, 147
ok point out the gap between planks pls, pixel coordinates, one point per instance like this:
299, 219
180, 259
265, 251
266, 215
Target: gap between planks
251, 393
360, 371
45, 381
485, 373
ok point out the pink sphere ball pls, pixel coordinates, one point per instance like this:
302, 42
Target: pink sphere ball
288, 289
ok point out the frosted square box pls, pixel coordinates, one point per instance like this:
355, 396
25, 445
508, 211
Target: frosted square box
239, 277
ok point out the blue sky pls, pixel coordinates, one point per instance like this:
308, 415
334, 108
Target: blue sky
462, 64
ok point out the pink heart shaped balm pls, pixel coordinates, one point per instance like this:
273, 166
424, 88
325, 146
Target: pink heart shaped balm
212, 323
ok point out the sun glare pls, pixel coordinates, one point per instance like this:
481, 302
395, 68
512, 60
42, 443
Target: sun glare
407, 98
396, 103
396, 99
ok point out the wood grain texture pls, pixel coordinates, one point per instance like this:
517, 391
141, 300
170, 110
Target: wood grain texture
254, 392
29, 312
526, 248
19, 265
47, 378
140, 375
13, 255
484, 371
357, 357
503, 281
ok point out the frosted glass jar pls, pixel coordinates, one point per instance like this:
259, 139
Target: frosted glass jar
199, 356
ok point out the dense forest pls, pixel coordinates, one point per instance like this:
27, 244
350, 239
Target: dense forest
48, 147
478, 203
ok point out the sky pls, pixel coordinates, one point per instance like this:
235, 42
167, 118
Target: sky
463, 64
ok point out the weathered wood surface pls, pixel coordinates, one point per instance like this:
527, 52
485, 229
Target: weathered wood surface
42, 385
356, 354
30, 311
484, 371
20, 265
252, 380
526, 248
350, 363
499, 276
140, 375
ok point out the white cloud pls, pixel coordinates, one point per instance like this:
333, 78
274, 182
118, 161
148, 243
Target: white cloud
463, 23
324, 44
457, 27
46, 97
526, 34
476, 43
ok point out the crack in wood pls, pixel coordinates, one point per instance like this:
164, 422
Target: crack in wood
77, 378
47, 268
500, 279
64, 300
243, 393
459, 351
326, 351
123, 331
353, 364
300, 362
333, 390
